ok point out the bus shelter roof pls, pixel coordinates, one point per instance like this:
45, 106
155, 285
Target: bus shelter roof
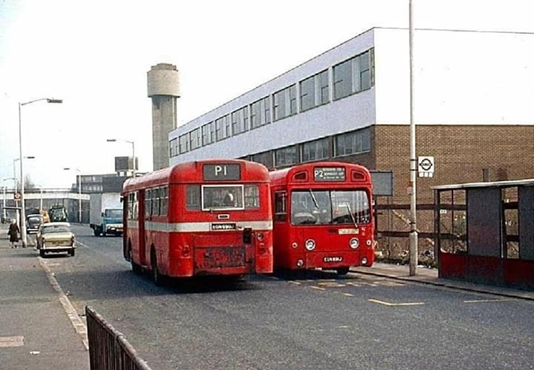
495, 184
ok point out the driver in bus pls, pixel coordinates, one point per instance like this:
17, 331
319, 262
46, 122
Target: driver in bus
229, 200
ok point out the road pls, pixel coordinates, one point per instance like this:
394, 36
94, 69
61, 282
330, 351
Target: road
316, 321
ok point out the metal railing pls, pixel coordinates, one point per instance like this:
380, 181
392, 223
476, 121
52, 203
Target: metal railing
108, 349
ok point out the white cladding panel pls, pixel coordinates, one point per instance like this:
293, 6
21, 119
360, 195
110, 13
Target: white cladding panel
461, 77
350, 113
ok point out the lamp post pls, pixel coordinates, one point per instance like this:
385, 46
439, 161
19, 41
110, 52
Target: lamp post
4, 197
413, 159
22, 210
133, 151
79, 181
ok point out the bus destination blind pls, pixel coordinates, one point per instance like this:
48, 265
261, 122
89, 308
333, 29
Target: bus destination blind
329, 174
221, 171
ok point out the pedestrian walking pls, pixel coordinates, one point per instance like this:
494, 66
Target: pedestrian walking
13, 233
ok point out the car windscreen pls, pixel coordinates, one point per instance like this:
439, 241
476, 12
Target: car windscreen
113, 213
55, 229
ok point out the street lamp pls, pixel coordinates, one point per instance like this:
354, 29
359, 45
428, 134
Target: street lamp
79, 180
22, 210
133, 151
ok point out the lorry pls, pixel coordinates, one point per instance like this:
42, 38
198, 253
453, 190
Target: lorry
105, 216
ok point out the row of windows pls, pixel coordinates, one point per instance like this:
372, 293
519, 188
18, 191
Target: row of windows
349, 77
156, 203
354, 142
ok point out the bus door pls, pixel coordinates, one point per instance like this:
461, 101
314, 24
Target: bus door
142, 234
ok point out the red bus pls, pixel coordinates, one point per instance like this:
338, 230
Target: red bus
209, 217
323, 217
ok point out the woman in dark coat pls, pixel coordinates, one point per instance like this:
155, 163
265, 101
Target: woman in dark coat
13, 233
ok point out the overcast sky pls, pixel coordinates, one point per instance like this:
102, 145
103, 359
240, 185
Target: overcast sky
95, 54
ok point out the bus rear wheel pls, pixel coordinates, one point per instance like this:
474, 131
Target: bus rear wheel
159, 279
135, 267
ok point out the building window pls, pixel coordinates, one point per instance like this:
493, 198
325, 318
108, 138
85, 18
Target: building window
286, 156
260, 113
208, 134
173, 147
183, 143
285, 102
314, 91
265, 158
315, 150
353, 142
240, 121
195, 139
353, 75
222, 130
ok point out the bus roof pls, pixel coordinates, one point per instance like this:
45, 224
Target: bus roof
191, 172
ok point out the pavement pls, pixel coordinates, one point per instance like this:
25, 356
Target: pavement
35, 329
425, 275
38, 329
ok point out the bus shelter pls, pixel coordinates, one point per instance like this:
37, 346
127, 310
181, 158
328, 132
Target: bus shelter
485, 232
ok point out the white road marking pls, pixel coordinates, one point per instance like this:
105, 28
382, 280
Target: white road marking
317, 287
487, 300
16, 341
75, 319
396, 304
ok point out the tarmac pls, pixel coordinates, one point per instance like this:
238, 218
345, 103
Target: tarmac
38, 329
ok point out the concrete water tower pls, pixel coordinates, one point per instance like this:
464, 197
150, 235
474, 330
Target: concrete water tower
164, 89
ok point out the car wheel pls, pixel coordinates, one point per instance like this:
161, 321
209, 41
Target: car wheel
42, 253
96, 232
72, 252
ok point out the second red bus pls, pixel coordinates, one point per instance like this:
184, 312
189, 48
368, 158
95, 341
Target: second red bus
323, 217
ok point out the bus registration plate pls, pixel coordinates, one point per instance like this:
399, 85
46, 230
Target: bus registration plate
333, 259
219, 227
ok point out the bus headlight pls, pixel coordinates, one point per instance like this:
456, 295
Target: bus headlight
354, 243
310, 244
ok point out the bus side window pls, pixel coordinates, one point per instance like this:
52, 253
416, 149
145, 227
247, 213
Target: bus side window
280, 209
193, 197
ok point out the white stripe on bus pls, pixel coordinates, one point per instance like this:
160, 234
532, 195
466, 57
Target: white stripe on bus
189, 227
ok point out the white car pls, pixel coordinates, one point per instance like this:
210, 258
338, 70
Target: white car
56, 237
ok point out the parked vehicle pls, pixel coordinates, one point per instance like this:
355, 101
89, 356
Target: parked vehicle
58, 214
33, 222
106, 214
182, 222
323, 217
55, 237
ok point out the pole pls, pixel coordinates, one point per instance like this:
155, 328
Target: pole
133, 153
413, 159
41, 202
4, 205
79, 197
22, 208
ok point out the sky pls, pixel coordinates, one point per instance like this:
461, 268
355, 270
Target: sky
95, 55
